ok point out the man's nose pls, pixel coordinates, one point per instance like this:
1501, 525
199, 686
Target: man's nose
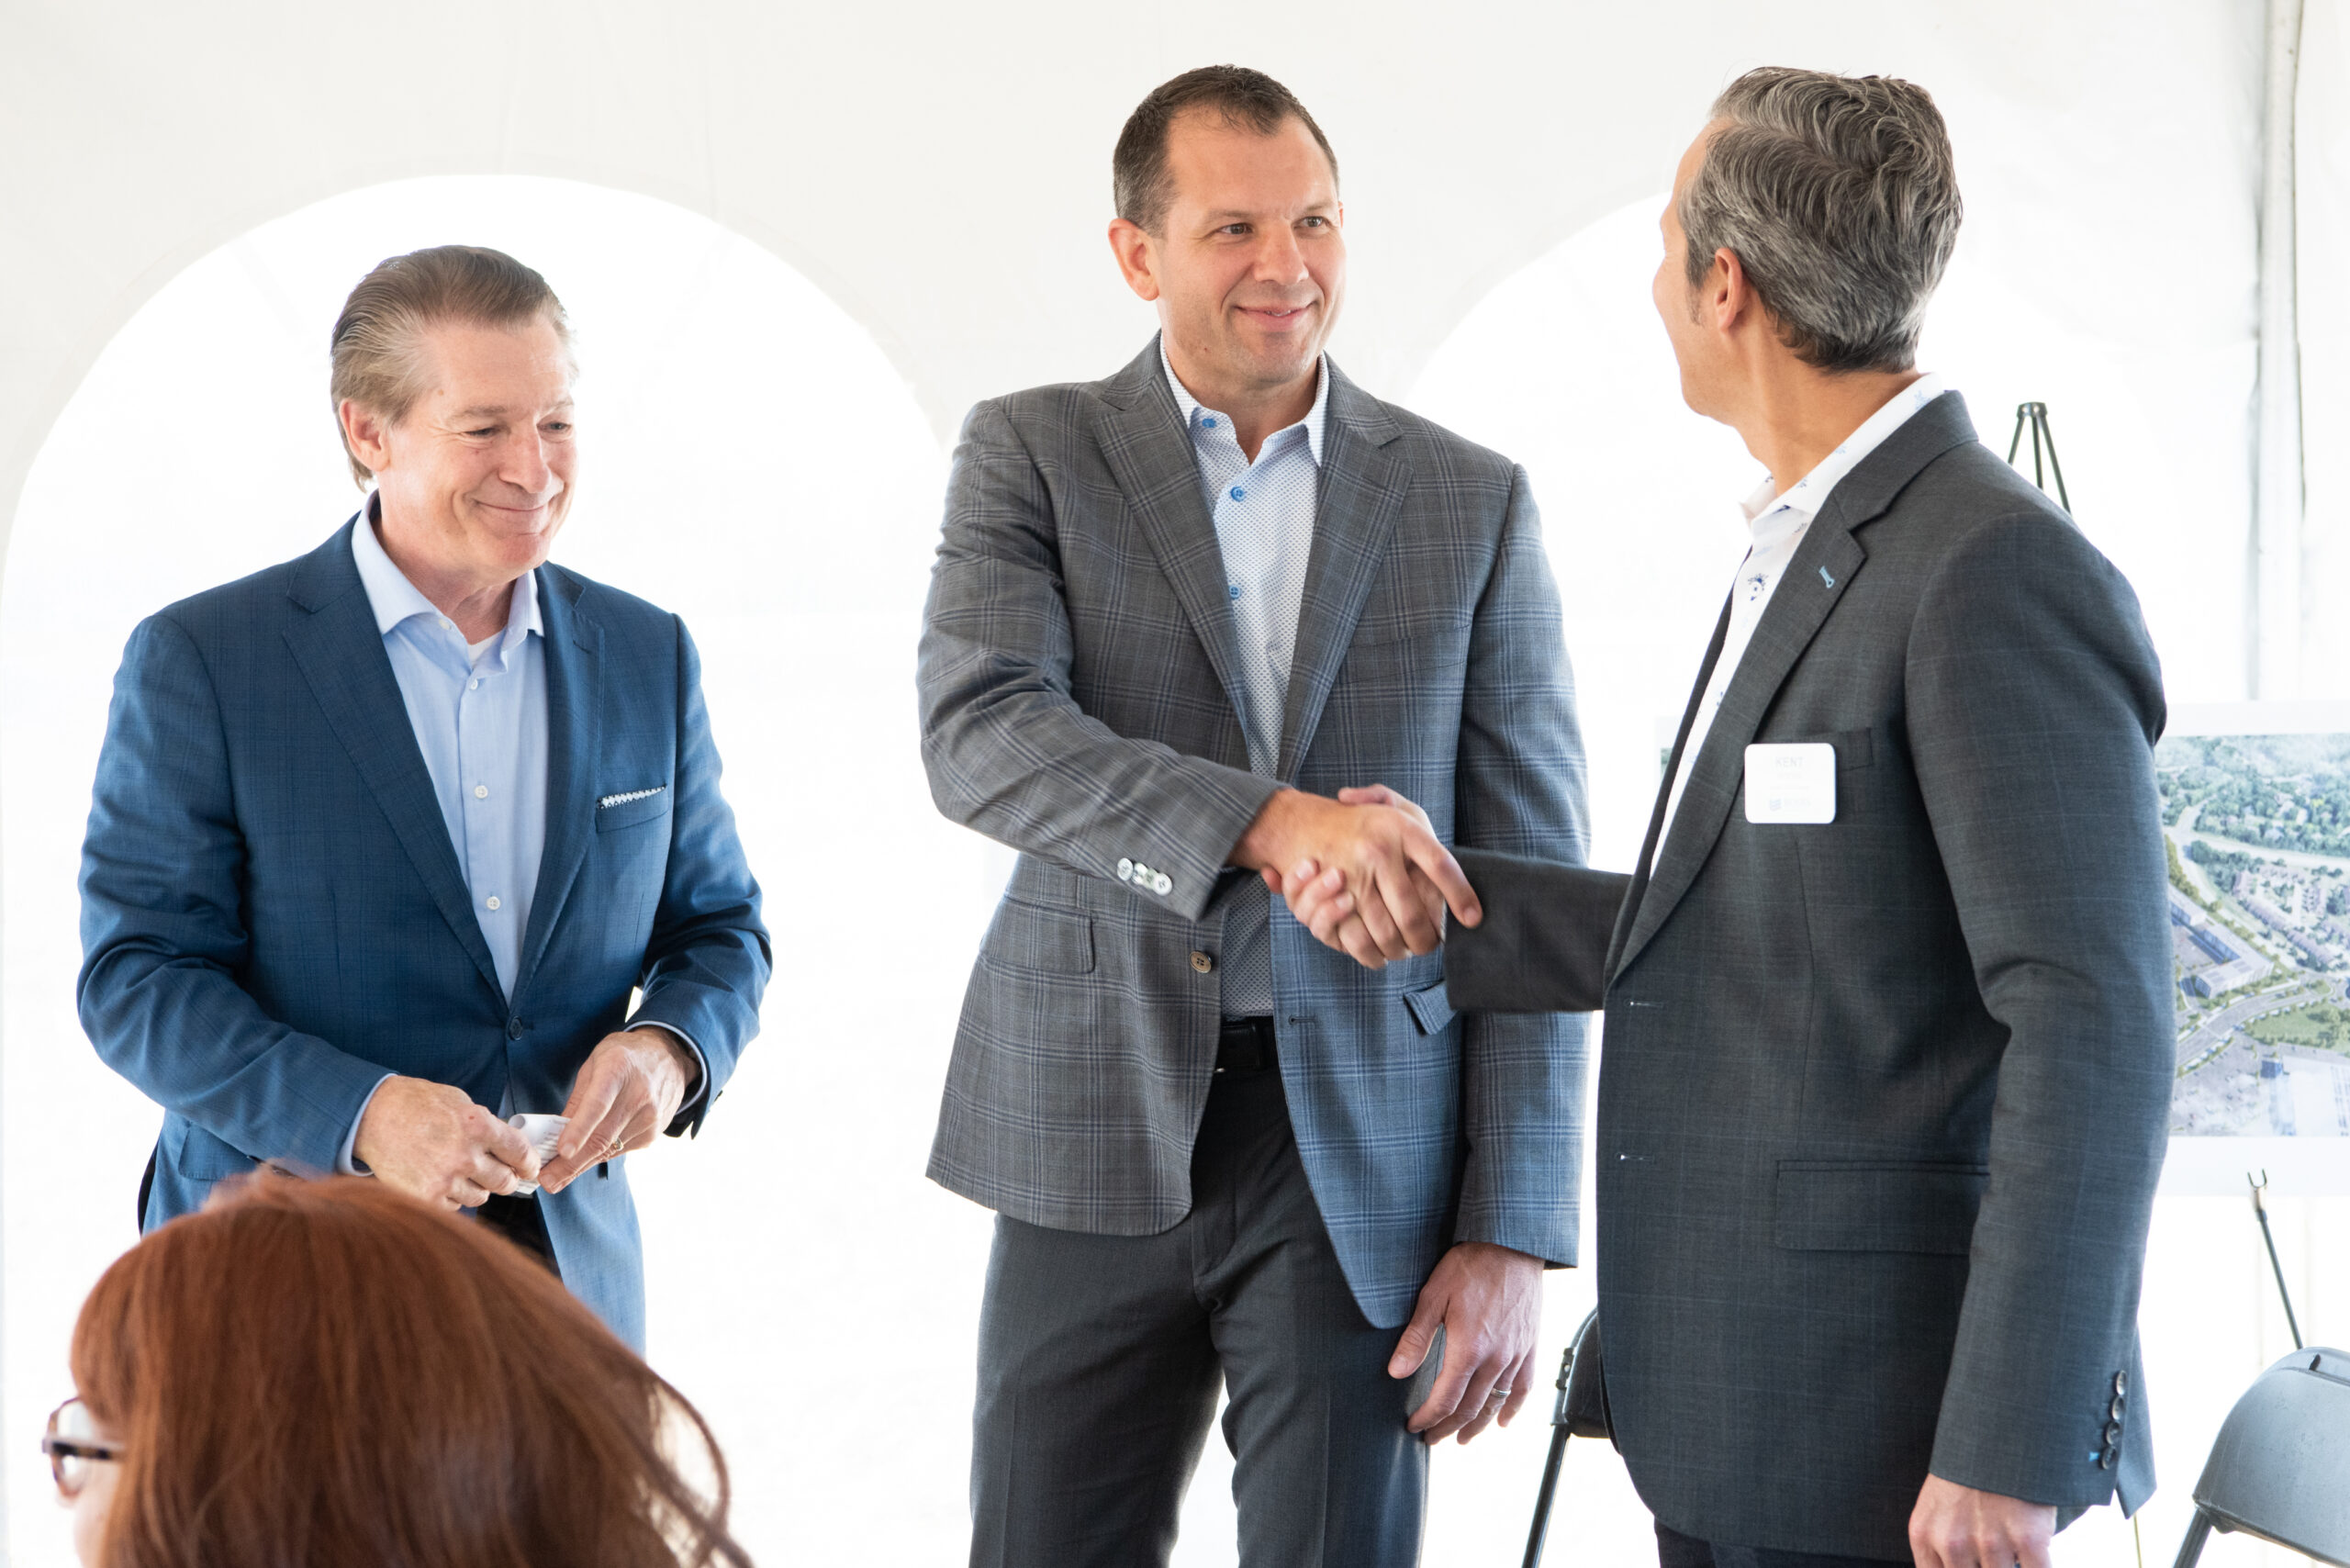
528, 466
1278, 257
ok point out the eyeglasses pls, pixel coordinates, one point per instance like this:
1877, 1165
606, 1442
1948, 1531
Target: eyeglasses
73, 1444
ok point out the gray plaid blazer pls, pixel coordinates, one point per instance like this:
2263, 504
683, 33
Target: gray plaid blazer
1883, 1100
1079, 687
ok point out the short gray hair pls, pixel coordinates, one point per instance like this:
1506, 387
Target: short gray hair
1839, 198
374, 358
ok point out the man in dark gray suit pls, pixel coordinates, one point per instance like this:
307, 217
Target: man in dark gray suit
1888, 1019
1172, 612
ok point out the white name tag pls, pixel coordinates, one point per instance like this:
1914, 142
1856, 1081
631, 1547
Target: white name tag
1791, 783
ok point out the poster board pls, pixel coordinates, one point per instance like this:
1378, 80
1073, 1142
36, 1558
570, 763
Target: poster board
2256, 828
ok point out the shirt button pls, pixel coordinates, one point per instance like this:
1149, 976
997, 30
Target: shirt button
445, 624
1233, 590
1209, 421
477, 685
481, 792
1202, 963
493, 900
1239, 493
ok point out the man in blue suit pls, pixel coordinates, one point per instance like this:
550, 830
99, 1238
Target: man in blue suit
384, 837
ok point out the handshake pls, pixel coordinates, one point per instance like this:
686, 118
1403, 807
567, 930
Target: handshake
1365, 872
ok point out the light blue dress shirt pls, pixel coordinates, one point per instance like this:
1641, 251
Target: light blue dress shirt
1264, 524
480, 718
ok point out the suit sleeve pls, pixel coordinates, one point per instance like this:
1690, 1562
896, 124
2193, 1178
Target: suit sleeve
1542, 945
164, 932
2034, 699
1007, 748
1519, 790
708, 960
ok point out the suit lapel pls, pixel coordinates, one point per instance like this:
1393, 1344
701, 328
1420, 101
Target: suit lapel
1821, 571
1142, 438
1364, 476
340, 652
575, 744
1630, 913
1829, 555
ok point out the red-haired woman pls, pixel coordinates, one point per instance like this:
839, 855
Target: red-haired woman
329, 1375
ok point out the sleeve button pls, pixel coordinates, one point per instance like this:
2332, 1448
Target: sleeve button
1164, 885
1125, 870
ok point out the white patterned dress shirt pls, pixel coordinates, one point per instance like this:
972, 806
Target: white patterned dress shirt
1779, 523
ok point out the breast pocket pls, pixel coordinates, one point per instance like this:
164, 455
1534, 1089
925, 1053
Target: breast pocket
633, 808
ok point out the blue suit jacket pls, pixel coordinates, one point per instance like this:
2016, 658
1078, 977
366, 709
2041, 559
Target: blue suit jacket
273, 917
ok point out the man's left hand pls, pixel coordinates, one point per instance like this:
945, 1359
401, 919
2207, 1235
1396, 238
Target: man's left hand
1488, 1301
628, 1091
1957, 1526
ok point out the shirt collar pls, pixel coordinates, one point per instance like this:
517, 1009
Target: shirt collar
1312, 423
394, 598
1773, 515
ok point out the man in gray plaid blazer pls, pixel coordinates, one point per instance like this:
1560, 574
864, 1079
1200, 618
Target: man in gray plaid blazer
1172, 614
1889, 1023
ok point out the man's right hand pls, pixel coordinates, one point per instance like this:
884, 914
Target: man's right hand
1402, 876
432, 1142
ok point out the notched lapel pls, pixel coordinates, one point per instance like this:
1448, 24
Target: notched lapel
575, 742
1141, 435
341, 655
1823, 567
1364, 478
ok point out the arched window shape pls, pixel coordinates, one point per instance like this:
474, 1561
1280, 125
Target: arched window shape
751, 460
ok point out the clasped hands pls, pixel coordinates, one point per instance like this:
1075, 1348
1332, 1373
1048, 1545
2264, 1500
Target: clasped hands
1365, 872
433, 1142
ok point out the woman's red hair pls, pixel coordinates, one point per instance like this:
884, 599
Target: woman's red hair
327, 1374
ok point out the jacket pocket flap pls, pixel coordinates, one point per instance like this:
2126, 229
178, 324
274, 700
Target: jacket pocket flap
1030, 937
200, 1156
1431, 1007
1876, 1206
625, 812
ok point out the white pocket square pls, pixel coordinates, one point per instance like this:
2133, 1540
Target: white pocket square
625, 796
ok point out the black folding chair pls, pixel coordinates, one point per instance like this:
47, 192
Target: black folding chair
1581, 1411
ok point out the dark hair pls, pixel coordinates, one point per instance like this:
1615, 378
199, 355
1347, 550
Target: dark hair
1139, 183
331, 1374
1838, 196
374, 359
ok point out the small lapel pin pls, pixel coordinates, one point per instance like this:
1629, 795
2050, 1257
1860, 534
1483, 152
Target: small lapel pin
1826, 578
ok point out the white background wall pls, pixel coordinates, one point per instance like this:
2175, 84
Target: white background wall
937, 178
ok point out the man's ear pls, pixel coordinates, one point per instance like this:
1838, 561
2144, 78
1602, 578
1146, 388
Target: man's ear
1138, 255
365, 432
1728, 294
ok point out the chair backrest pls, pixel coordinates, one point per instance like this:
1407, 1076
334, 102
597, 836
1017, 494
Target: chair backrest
2280, 1467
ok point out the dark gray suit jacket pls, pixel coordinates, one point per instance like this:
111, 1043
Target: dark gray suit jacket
1884, 1101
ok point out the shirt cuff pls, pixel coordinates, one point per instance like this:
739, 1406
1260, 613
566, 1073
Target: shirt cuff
702, 1066
346, 1162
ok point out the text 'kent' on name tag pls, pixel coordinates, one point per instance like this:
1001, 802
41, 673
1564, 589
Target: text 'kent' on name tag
1791, 783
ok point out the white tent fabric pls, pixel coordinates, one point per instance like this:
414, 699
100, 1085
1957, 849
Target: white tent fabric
932, 180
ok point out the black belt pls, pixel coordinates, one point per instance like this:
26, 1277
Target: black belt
1245, 1044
